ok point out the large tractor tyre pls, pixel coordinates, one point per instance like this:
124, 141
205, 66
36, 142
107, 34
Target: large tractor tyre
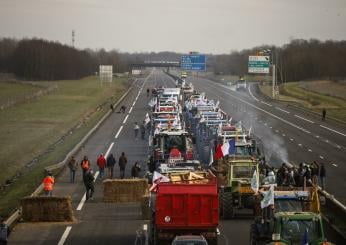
227, 205
253, 235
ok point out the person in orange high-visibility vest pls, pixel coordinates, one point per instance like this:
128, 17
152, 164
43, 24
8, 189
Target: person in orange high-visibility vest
48, 183
85, 164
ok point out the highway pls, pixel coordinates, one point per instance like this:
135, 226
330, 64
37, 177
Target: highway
106, 223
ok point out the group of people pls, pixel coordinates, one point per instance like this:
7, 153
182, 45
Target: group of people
308, 174
88, 173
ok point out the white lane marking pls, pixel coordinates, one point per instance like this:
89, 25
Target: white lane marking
333, 130
121, 128
131, 109
335, 165
310, 150
64, 235
270, 127
265, 123
134, 102
300, 145
125, 119
109, 149
291, 139
283, 135
278, 108
81, 204
321, 157
271, 114
252, 95
338, 146
277, 131
304, 119
317, 136
266, 103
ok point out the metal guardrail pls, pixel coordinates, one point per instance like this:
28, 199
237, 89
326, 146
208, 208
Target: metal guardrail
16, 215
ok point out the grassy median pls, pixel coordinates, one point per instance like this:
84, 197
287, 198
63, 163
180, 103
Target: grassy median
40, 132
315, 95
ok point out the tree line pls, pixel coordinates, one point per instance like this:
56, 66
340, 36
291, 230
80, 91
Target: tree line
39, 59
298, 60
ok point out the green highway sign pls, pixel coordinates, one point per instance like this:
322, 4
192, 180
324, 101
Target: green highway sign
258, 64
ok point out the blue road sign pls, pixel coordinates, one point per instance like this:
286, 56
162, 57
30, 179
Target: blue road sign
193, 62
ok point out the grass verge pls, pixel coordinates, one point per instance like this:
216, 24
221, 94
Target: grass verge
311, 100
46, 130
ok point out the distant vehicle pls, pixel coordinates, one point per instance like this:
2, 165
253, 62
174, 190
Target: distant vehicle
183, 75
241, 85
189, 240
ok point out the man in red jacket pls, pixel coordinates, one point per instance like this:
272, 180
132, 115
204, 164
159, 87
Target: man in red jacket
48, 184
101, 162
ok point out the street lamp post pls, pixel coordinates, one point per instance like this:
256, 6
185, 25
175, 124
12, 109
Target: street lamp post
268, 51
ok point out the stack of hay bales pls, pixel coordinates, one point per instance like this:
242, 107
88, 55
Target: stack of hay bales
47, 209
124, 190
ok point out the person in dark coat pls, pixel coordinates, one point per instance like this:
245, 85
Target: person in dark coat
143, 130
122, 164
322, 174
110, 165
324, 112
135, 170
88, 179
4, 232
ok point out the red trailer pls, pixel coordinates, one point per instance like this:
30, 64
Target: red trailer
187, 205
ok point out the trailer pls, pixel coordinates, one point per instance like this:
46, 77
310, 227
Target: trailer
186, 205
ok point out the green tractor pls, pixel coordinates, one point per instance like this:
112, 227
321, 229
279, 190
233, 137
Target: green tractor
289, 228
234, 179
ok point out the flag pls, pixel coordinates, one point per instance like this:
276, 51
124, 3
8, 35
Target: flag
231, 149
218, 153
268, 197
146, 119
158, 178
249, 131
315, 201
230, 120
255, 182
211, 157
225, 148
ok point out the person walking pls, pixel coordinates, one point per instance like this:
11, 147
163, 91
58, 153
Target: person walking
112, 107
135, 170
136, 129
110, 165
322, 174
72, 164
48, 183
101, 163
148, 92
324, 112
143, 130
88, 179
4, 232
85, 164
122, 164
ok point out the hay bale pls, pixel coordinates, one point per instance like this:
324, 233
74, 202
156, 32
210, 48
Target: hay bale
47, 209
124, 190
145, 207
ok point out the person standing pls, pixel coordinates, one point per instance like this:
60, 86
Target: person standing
101, 163
143, 130
322, 174
136, 129
122, 164
88, 179
85, 164
110, 165
324, 112
135, 170
72, 164
48, 183
4, 232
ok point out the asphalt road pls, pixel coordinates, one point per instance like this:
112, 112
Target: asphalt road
287, 134
104, 223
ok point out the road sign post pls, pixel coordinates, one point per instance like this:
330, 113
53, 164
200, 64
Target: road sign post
193, 62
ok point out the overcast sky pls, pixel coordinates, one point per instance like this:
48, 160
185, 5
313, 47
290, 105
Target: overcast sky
207, 26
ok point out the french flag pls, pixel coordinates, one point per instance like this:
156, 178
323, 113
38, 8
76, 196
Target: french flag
228, 148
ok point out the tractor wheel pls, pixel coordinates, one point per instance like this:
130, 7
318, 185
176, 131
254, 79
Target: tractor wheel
212, 241
227, 205
253, 235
